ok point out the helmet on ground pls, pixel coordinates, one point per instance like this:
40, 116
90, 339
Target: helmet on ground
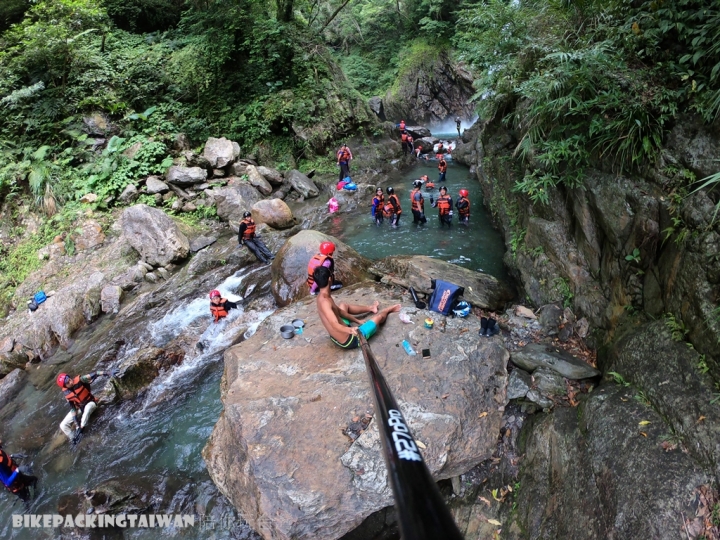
417, 183
214, 293
327, 248
464, 193
461, 309
246, 214
61, 380
390, 191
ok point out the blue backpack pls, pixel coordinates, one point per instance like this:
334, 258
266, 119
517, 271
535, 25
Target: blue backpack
39, 297
351, 186
444, 296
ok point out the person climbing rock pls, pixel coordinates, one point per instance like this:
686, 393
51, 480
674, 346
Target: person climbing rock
463, 206
377, 205
344, 156
77, 393
17, 482
457, 123
401, 125
247, 237
396, 209
444, 205
325, 259
219, 306
411, 146
404, 142
442, 167
417, 203
336, 318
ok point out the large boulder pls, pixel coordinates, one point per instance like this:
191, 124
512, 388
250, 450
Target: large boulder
154, 235
11, 361
142, 368
302, 184
257, 180
289, 269
481, 290
220, 152
278, 453
274, 212
232, 201
154, 185
186, 175
271, 175
89, 235
418, 132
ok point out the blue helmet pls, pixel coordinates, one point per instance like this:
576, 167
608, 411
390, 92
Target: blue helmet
461, 309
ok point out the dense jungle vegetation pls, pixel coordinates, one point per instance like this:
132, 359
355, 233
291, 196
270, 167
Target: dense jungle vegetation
82, 81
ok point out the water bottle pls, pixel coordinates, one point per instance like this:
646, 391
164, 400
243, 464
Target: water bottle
408, 348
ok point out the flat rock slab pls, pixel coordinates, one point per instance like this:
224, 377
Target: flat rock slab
538, 355
481, 290
201, 242
278, 452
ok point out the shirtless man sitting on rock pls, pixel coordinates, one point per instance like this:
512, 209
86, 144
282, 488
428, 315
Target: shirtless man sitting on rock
337, 318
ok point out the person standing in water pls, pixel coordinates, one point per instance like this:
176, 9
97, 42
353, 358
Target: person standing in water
377, 206
18, 483
396, 209
442, 167
444, 205
417, 203
336, 318
463, 207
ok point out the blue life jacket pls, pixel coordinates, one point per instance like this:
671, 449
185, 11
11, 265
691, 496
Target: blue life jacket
39, 297
9, 479
444, 296
350, 186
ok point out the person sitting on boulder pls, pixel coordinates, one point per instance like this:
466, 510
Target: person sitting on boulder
324, 258
16, 482
83, 403
247, 237
336, 318
219, 307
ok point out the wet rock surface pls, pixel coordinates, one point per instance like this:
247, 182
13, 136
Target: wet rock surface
453, 403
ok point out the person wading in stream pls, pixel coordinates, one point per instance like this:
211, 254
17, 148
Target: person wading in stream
336, 318
344, 155
418, 203
83, 403
394, 202
442, 167
463, 206
324, 258
377, 204
16, 482
219, 306
444, 206
247, 237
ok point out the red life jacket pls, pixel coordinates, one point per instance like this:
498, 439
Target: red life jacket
249, 232
443, 204
218, 310
78, 393
394, 197
404, 137
465, 210
388, 210
417, 206
316, 262
442, 166
344, 154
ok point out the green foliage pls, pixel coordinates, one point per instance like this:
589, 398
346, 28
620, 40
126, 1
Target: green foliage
144, 15
619, 379
634, 256
563, 287
676, 326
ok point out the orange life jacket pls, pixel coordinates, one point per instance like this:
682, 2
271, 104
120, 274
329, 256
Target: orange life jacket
249, 232
316, 262
429, 185
404, 137
388, 210
344, 154
465, 210
394, 197
417, 206
442, 166
443, 204
78, 393
218, 310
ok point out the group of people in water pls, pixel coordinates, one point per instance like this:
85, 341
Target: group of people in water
390, 209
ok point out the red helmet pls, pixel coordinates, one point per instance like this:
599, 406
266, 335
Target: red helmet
327, 248
214, 292
61, 380
464, 193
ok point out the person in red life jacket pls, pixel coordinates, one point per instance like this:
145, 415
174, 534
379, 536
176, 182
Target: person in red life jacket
247, 237
16, 481
428, 184
77, 393
417, 203
377, 205
442, 167
396, 209
402, 125
344, 156
463, 206
324, 258
219, 306
404, 142
336, 318
444, 205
